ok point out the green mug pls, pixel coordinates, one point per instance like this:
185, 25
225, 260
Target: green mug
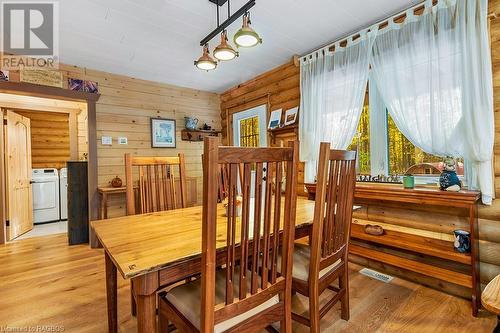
408, 181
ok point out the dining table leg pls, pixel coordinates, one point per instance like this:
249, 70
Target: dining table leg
145, 288
111, 294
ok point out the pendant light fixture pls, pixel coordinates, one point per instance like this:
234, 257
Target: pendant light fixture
246, 36
206, 62
224, 51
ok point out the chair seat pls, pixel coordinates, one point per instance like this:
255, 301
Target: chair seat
186, 299
301, 260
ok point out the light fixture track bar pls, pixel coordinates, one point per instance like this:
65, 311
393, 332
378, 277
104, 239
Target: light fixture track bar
240, 12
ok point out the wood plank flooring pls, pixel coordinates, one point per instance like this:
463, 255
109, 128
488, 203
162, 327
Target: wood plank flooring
44, 282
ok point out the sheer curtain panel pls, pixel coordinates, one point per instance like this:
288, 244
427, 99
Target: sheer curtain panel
434, 74
332, 86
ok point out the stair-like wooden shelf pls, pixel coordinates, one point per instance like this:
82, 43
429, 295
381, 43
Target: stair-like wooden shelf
401, 240
461, 279
419, 244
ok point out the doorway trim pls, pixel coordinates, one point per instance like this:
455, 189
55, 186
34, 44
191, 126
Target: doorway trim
259, 111
28, 89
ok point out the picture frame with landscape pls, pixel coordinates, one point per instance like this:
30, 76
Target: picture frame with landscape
163, 133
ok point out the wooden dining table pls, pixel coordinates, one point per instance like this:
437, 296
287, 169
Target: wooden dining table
158, 249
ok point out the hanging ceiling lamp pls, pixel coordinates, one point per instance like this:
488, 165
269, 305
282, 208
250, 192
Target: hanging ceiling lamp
206, 62
224, 51
246, 36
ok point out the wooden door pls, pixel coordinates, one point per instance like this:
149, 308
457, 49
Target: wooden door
18, 173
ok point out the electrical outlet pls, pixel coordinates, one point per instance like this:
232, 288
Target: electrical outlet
122, 141
106, 140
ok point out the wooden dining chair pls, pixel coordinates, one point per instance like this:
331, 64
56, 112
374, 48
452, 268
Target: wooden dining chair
157, 183
247, 294
317, 265
157, 188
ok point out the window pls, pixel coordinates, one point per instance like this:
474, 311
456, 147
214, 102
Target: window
249, 127
249, 132
361, 142
402, 156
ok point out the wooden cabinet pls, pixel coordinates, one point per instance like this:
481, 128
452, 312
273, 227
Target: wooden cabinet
78, 204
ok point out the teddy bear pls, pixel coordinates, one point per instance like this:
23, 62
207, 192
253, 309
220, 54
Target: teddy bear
448, 180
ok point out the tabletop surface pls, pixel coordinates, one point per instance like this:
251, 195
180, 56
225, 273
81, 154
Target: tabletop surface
139, 244
491, 296
111, 189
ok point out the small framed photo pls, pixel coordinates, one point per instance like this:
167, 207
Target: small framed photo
162, 133
291, 116
4, 75
91, 87
275, 119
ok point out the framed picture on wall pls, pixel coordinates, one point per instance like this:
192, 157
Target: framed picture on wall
162, 133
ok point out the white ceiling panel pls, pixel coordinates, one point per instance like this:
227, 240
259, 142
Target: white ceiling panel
159, 39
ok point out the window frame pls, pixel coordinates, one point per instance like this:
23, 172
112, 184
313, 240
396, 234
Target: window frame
258, 111
379, 149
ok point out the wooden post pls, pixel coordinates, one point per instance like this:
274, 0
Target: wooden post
209, 223
129, 183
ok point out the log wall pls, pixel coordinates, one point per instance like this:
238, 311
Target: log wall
125, 109
282, 84
278, 89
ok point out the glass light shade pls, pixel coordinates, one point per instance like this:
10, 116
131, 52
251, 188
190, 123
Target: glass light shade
224, 51
206, 62
246, 36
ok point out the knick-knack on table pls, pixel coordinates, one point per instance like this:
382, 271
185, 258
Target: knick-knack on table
448, 180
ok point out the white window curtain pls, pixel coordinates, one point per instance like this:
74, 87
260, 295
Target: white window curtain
434, 74
332, 89
379, 162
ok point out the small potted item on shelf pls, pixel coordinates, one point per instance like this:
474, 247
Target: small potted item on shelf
116, 182
408, 181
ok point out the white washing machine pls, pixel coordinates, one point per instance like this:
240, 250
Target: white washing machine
63, 192
45, 195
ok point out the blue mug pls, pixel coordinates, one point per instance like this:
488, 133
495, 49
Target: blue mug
462, 241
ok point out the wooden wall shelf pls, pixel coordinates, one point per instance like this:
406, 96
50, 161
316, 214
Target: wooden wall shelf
290, 129
197, 135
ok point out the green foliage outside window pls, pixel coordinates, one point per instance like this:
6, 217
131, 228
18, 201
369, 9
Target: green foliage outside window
249, 132
401, 152
362, 141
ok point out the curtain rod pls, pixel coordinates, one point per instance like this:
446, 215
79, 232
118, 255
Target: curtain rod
357, 31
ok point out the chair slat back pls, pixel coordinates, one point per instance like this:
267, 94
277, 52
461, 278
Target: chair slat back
157, 190
333, 207
252, 239
223, 177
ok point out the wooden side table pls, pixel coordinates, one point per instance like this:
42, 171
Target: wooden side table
103, 198
491, 299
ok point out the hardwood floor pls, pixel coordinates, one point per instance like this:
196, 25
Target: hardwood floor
44, 282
